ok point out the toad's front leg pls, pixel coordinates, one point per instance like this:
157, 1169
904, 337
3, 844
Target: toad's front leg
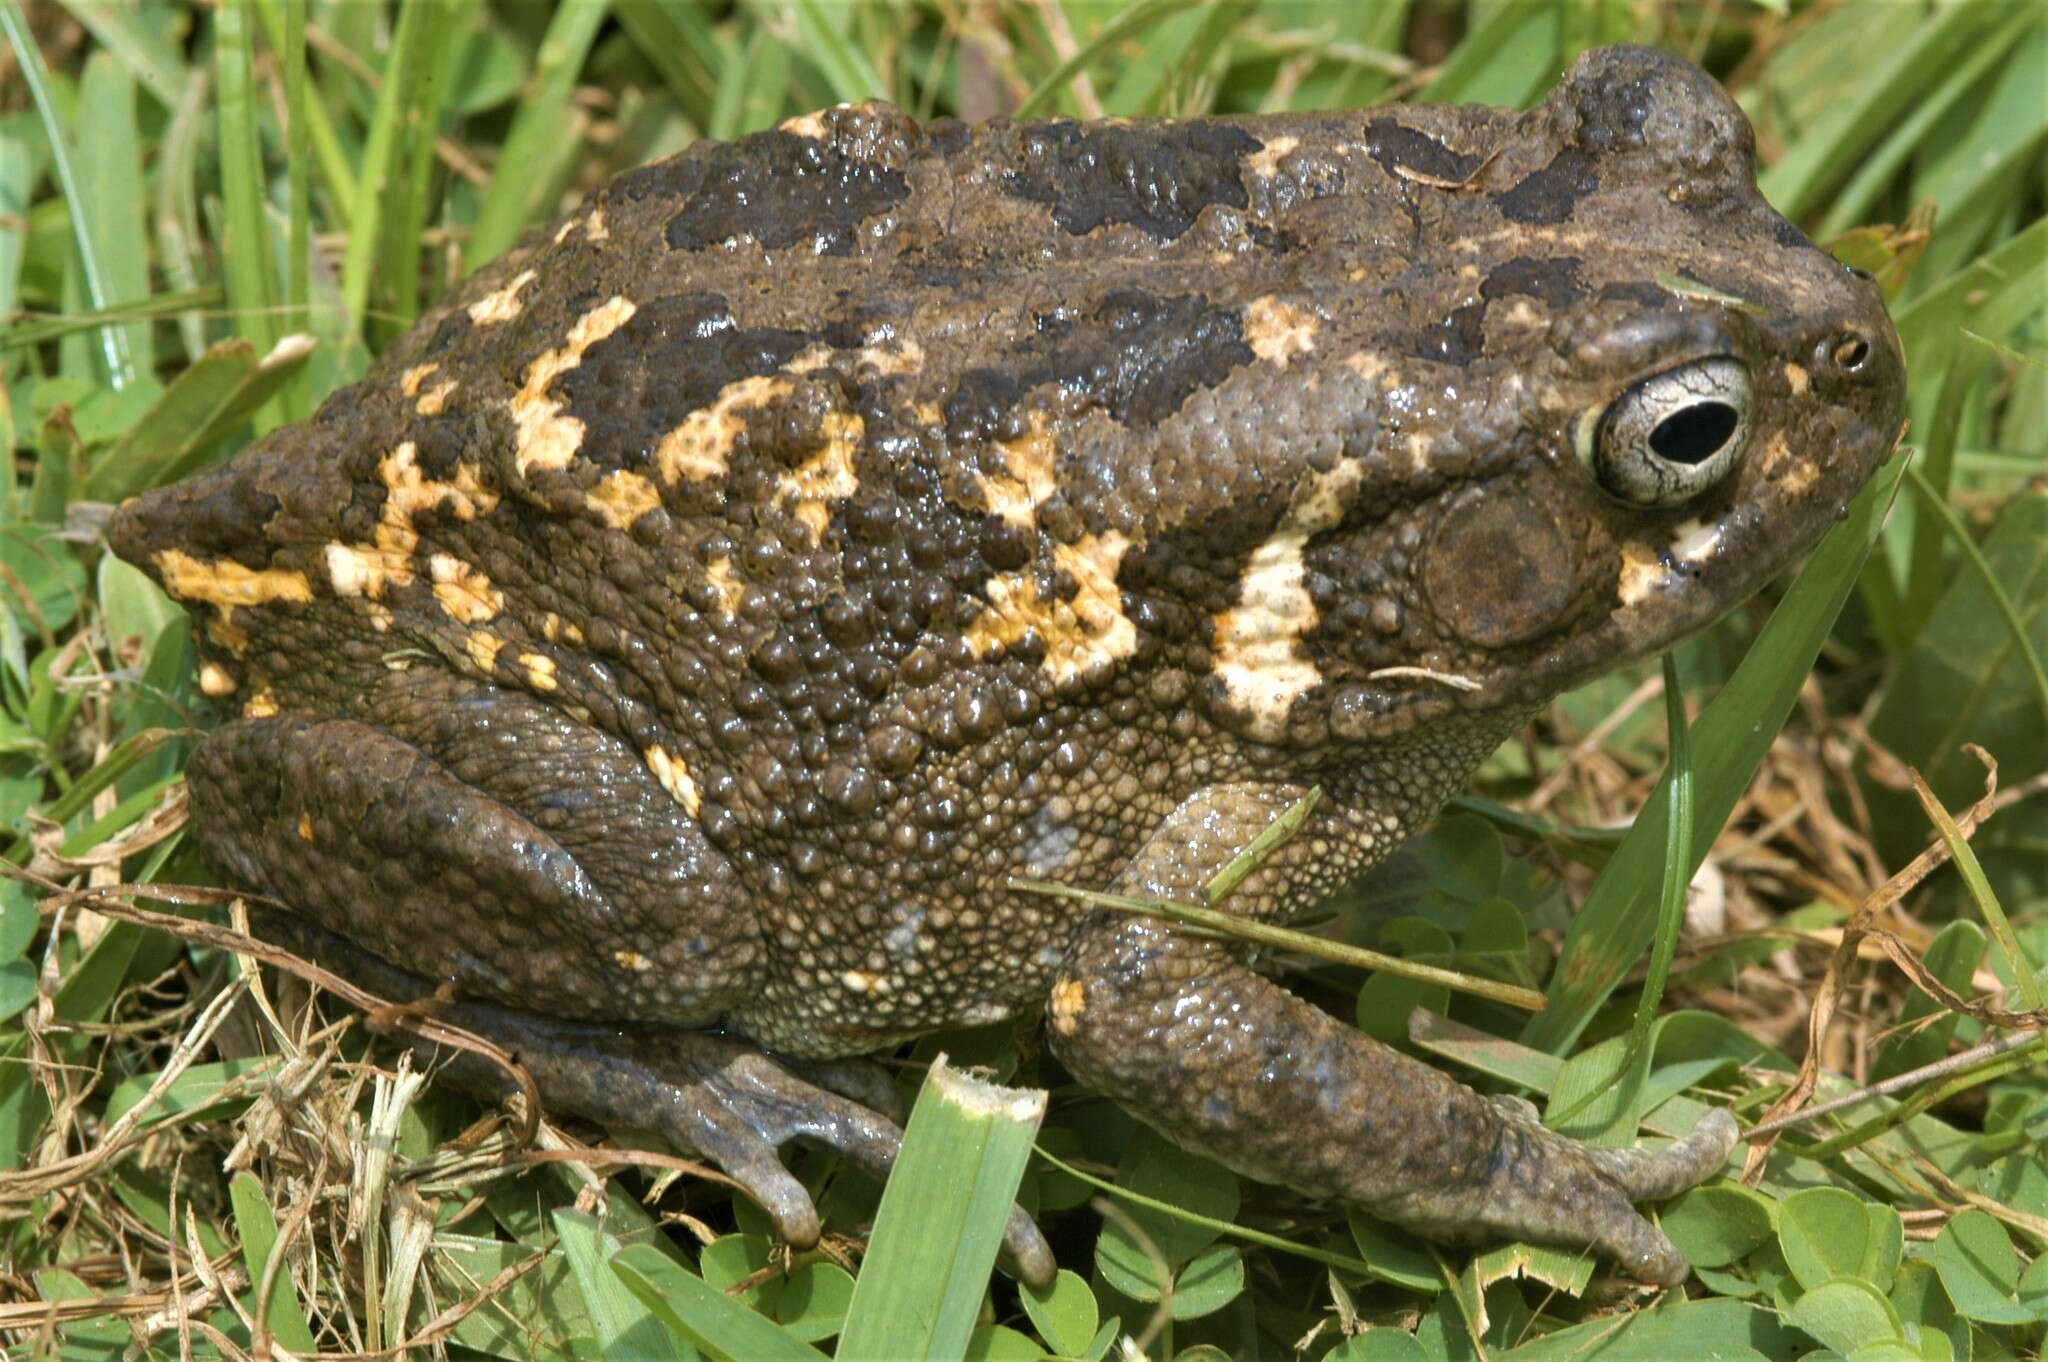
1226, 1062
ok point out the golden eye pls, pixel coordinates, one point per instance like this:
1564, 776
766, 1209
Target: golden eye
1673, 435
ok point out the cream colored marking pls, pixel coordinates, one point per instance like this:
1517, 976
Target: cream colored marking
1694, 540
1069, 1001
1365, 364
1257, 642
731, 590
808, 490
562, 232
409, 382
812, 124
622, 497
1796, 379
891, 358
483, 649
1264, 163
261, 705
1522, 312
436, 397
1416, 447
861, 981
305, 827
1029, 459
380, 616
216, 680
676, 779
226, 585
1089, 631
463, 590
503, 305
1451, 679
545, 438
540, 670
1279, 331
594, 228
699, 448
1641, 572
365, 570
633, 960
227, 634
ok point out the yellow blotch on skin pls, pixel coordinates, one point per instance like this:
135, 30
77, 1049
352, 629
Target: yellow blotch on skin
216, 680
676, 779
1030, 460
555, 629
1257, 642
1069, 1001
1797, 380
731, 590
1641, 572
409, 381
435, 398
1264, 163
483, 649
539, 669
261, 705
1279, 331
861, 981
305, 827
503, 305
463, 590
699, 448
1089, 631
808, 490
366, 570
227, 585
633, 961
544, 437
622, 497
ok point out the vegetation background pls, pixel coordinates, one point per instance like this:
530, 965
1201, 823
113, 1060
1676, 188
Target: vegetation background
192, 1162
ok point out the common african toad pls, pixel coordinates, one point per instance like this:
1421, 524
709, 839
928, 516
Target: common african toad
699, 620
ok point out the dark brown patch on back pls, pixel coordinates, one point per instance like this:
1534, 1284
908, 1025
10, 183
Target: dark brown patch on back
1454, 340
1554, 280
1547, 196
1155, 178
1401, 148
668, 360
1137, 355
781, 189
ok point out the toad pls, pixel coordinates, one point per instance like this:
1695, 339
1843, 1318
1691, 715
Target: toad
682, 639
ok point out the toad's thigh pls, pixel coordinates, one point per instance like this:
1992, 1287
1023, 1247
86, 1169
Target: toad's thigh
506, 849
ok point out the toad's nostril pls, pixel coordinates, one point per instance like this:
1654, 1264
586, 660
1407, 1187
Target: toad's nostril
1848, 351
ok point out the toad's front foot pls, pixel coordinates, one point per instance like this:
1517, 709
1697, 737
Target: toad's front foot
1225, 1061
1545, 1187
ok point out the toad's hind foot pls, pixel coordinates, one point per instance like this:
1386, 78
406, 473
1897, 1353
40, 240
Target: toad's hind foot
714, 1096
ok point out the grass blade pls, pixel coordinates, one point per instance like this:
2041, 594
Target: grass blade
694, 1310
245, 253
1733, 732
941, 1219
110, 167
517, 195
625, 1327
258, 1226
113, 340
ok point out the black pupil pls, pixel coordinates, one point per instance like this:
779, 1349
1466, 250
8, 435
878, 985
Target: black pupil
1692, 434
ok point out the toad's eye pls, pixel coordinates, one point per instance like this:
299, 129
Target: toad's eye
1673, 435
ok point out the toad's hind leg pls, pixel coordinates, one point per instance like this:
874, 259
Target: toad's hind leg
527, 859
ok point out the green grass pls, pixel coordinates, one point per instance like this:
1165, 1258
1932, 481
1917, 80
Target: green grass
165, 225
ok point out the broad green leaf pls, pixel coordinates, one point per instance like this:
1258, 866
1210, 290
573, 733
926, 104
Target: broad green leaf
1981, 1272
1825, 1233
1846, 1314
1378, 1345
1684, 1329
1064, 1313
1719, 1225
1211, 1281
